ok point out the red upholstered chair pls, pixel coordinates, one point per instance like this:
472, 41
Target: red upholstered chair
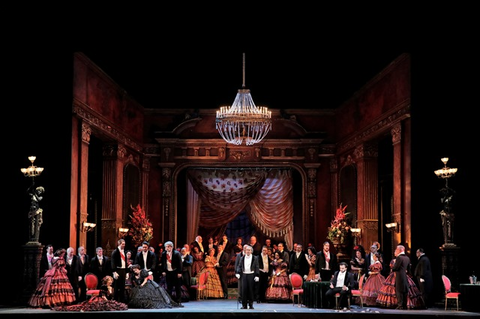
297, 287
91, 282
448, 291
359, 292
201, 285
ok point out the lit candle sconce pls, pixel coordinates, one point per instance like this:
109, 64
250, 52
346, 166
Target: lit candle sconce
392, 227
356, 233
88, 227
122, 232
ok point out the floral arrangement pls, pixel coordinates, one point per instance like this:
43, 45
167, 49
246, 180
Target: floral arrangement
339, 230
141, 229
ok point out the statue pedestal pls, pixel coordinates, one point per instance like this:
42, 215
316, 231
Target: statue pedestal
32, 254
450, 253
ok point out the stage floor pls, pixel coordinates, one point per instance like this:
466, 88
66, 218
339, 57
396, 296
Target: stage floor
222, 308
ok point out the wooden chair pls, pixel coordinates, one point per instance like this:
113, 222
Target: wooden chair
201, 285
448, 291
297, 287
359, 292
91, 282
337, 298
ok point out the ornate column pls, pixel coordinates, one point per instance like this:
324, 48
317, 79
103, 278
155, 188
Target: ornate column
83, 186
112, 195
396, 133
168, 218
366, 156
311, 194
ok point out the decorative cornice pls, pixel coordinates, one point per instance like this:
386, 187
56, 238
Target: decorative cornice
388, 120
99, 123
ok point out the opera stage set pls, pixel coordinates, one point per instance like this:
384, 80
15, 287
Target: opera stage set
323, 166
168, 161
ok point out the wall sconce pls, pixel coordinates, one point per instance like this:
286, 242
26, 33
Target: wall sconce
87, 227
356, 232
122, 232
392, 227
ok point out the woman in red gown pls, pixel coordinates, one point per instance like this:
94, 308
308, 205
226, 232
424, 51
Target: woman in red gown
54, 288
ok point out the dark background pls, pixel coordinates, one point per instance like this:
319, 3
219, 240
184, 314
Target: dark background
305, 58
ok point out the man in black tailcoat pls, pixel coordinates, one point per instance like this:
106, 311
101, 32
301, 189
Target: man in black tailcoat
172, 270
401, 266
248, 273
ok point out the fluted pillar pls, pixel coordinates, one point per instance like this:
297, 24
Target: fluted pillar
112, 214
366, 156
397, 217
83, 185
168, 217
310, 219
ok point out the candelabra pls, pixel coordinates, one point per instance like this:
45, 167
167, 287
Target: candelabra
447, 197
445, 172
32, 171
36, 195
33, 249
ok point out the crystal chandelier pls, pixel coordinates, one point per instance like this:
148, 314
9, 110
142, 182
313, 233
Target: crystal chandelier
243, 120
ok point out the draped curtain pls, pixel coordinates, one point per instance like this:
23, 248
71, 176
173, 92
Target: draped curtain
266, 195
271, 209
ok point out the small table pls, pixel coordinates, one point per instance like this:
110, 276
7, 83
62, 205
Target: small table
469, 294
314, 294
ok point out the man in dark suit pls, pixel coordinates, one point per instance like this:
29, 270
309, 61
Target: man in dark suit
222, 261
83, 265
46, 260
369, 259
256, 246
71, 266
248, 273
423, 274
146, 258
298, 262
198, 242
342, 282
187, 261
326, 263
172, 270
265, 271
119, 270
237, 262
284, 254
100, 265
401, 266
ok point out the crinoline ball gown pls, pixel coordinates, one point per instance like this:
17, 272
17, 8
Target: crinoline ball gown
54, 288
103, 302
373, 284
149, 296
279, 288
388, 299
213, 286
